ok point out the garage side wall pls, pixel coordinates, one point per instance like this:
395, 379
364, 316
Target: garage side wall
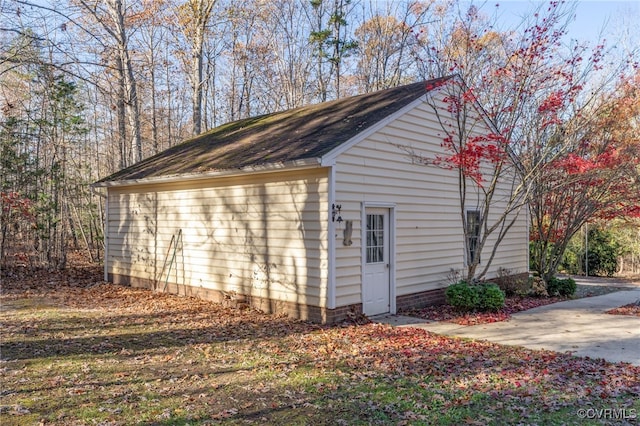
428, 231
258, 240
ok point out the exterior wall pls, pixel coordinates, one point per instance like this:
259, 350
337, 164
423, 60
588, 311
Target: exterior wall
428, 231
264, 236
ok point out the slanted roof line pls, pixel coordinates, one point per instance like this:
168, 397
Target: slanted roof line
308, 133
303, 164
329, 158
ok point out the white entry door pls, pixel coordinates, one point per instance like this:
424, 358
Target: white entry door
375, 288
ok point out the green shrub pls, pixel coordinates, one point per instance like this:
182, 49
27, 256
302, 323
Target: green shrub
483, 297
490, 297
561, 287
573, 257
462, 296
603, 252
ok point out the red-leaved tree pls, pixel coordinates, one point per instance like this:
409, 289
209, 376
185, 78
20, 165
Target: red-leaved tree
520, 108
598, 179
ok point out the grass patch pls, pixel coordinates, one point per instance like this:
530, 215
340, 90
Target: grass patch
104, 354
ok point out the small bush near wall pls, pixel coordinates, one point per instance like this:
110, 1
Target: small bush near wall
462, 296
561, 287
491, 298
482, 297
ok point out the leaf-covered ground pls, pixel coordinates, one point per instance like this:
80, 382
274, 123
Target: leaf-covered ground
632, 309
512, 305
79, 351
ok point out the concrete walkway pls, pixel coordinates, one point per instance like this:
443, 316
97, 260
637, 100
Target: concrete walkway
578, 326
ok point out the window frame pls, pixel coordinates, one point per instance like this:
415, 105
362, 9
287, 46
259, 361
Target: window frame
473, 219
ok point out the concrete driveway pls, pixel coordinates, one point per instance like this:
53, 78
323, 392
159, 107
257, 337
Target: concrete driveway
578, 326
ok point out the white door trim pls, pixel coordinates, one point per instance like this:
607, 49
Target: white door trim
392, 248
331, 241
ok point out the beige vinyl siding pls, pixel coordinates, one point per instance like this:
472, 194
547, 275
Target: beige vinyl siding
264, 235
428, 230
513, 250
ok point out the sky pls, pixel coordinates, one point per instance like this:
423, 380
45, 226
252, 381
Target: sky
590, 17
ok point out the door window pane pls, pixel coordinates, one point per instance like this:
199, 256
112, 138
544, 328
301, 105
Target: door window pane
375, 238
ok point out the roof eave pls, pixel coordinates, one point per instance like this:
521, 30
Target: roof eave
301, 164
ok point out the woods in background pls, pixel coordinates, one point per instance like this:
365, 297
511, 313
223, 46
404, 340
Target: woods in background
88, 87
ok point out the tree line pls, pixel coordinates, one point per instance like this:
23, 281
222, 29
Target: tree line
91, 86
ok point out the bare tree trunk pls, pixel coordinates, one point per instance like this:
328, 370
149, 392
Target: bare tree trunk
196, 18
197, 93
154, 112
127, 93
82, 233
131, 92
167, 72
121, 115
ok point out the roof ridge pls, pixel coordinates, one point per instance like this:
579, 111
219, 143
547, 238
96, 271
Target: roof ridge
280, 137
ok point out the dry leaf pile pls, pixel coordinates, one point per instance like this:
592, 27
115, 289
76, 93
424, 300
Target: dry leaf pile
76, 350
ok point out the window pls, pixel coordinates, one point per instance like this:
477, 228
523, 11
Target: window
473, 235
375, 238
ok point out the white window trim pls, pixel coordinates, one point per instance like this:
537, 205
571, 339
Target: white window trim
467, 254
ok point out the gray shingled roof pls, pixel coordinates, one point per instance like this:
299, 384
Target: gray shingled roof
281, 137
